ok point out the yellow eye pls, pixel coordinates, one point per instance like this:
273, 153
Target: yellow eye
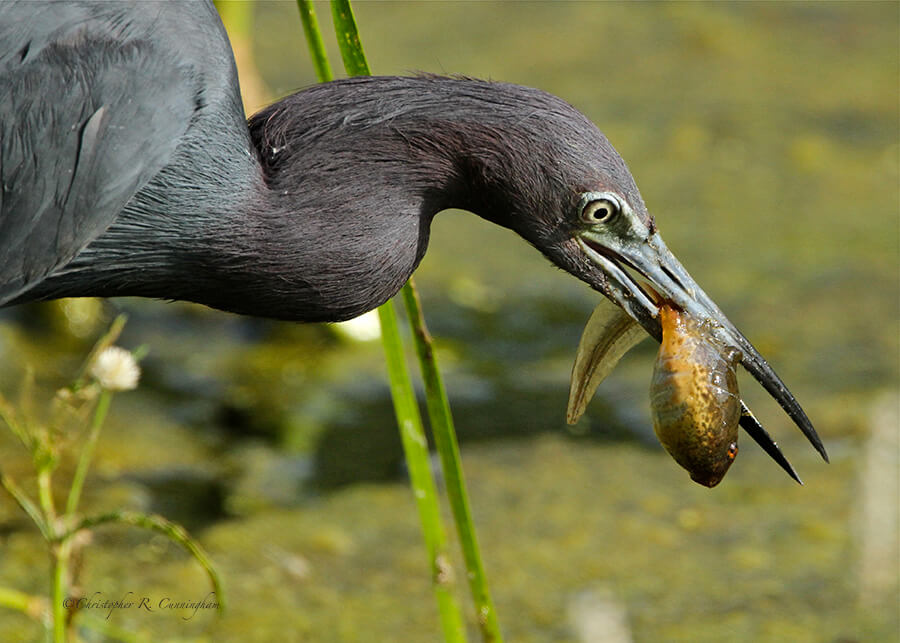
600, 211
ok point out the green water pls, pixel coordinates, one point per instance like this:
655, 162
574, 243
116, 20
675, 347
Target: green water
764, 138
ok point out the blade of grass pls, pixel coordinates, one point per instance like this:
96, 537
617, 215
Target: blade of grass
9, 417
406, 409
87, 452
438, 405
448, 449
348, 38
27, 505
314, 40
59, 584
415, 447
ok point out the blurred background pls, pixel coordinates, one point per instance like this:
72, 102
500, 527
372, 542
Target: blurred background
764, 138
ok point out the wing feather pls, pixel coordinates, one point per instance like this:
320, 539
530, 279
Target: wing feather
87, 117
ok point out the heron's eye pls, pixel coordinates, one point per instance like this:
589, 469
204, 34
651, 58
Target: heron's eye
732, 450
600, 211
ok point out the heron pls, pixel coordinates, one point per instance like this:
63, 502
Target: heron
127, 168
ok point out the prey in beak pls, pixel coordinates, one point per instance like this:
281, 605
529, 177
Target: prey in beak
619, 244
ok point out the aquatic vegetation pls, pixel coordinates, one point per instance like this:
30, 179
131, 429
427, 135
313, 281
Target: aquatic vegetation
78, 412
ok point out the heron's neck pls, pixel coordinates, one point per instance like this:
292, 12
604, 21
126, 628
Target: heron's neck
315, 260
338, 214
316, 216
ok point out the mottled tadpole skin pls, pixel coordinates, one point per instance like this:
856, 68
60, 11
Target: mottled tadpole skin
694, 398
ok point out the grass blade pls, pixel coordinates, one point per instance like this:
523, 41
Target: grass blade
87, 452
415, 446
348, 38
448, 449
314, 40
27, 505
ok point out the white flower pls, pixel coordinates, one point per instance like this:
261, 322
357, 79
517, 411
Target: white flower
115, 369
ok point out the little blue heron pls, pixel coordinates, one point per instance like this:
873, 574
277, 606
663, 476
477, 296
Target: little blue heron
127, 168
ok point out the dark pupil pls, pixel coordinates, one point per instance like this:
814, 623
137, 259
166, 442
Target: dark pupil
601, 212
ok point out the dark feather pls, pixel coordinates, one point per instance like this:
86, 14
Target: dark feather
128, 169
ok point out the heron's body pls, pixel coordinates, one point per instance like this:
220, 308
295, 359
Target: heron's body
172, 197
100, 102
127, 168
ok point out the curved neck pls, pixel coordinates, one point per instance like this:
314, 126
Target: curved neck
324, 210
238, 240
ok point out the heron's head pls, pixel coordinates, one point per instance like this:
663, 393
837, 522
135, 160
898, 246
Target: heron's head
376, 152
554, 178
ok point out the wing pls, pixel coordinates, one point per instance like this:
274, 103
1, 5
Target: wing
92, 106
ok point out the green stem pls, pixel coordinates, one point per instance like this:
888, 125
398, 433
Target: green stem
61, 553
415, 448
314, 40
62, 549
173, 531
404, 400
348, 38
448, 449
45, 494
32, 606
27, 506
87, 452
8, 416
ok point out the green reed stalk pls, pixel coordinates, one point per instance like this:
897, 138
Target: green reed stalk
448, 449
314, 40
415, 448
348, 39
406, 409
437, 403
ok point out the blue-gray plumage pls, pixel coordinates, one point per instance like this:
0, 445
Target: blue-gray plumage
127, 168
